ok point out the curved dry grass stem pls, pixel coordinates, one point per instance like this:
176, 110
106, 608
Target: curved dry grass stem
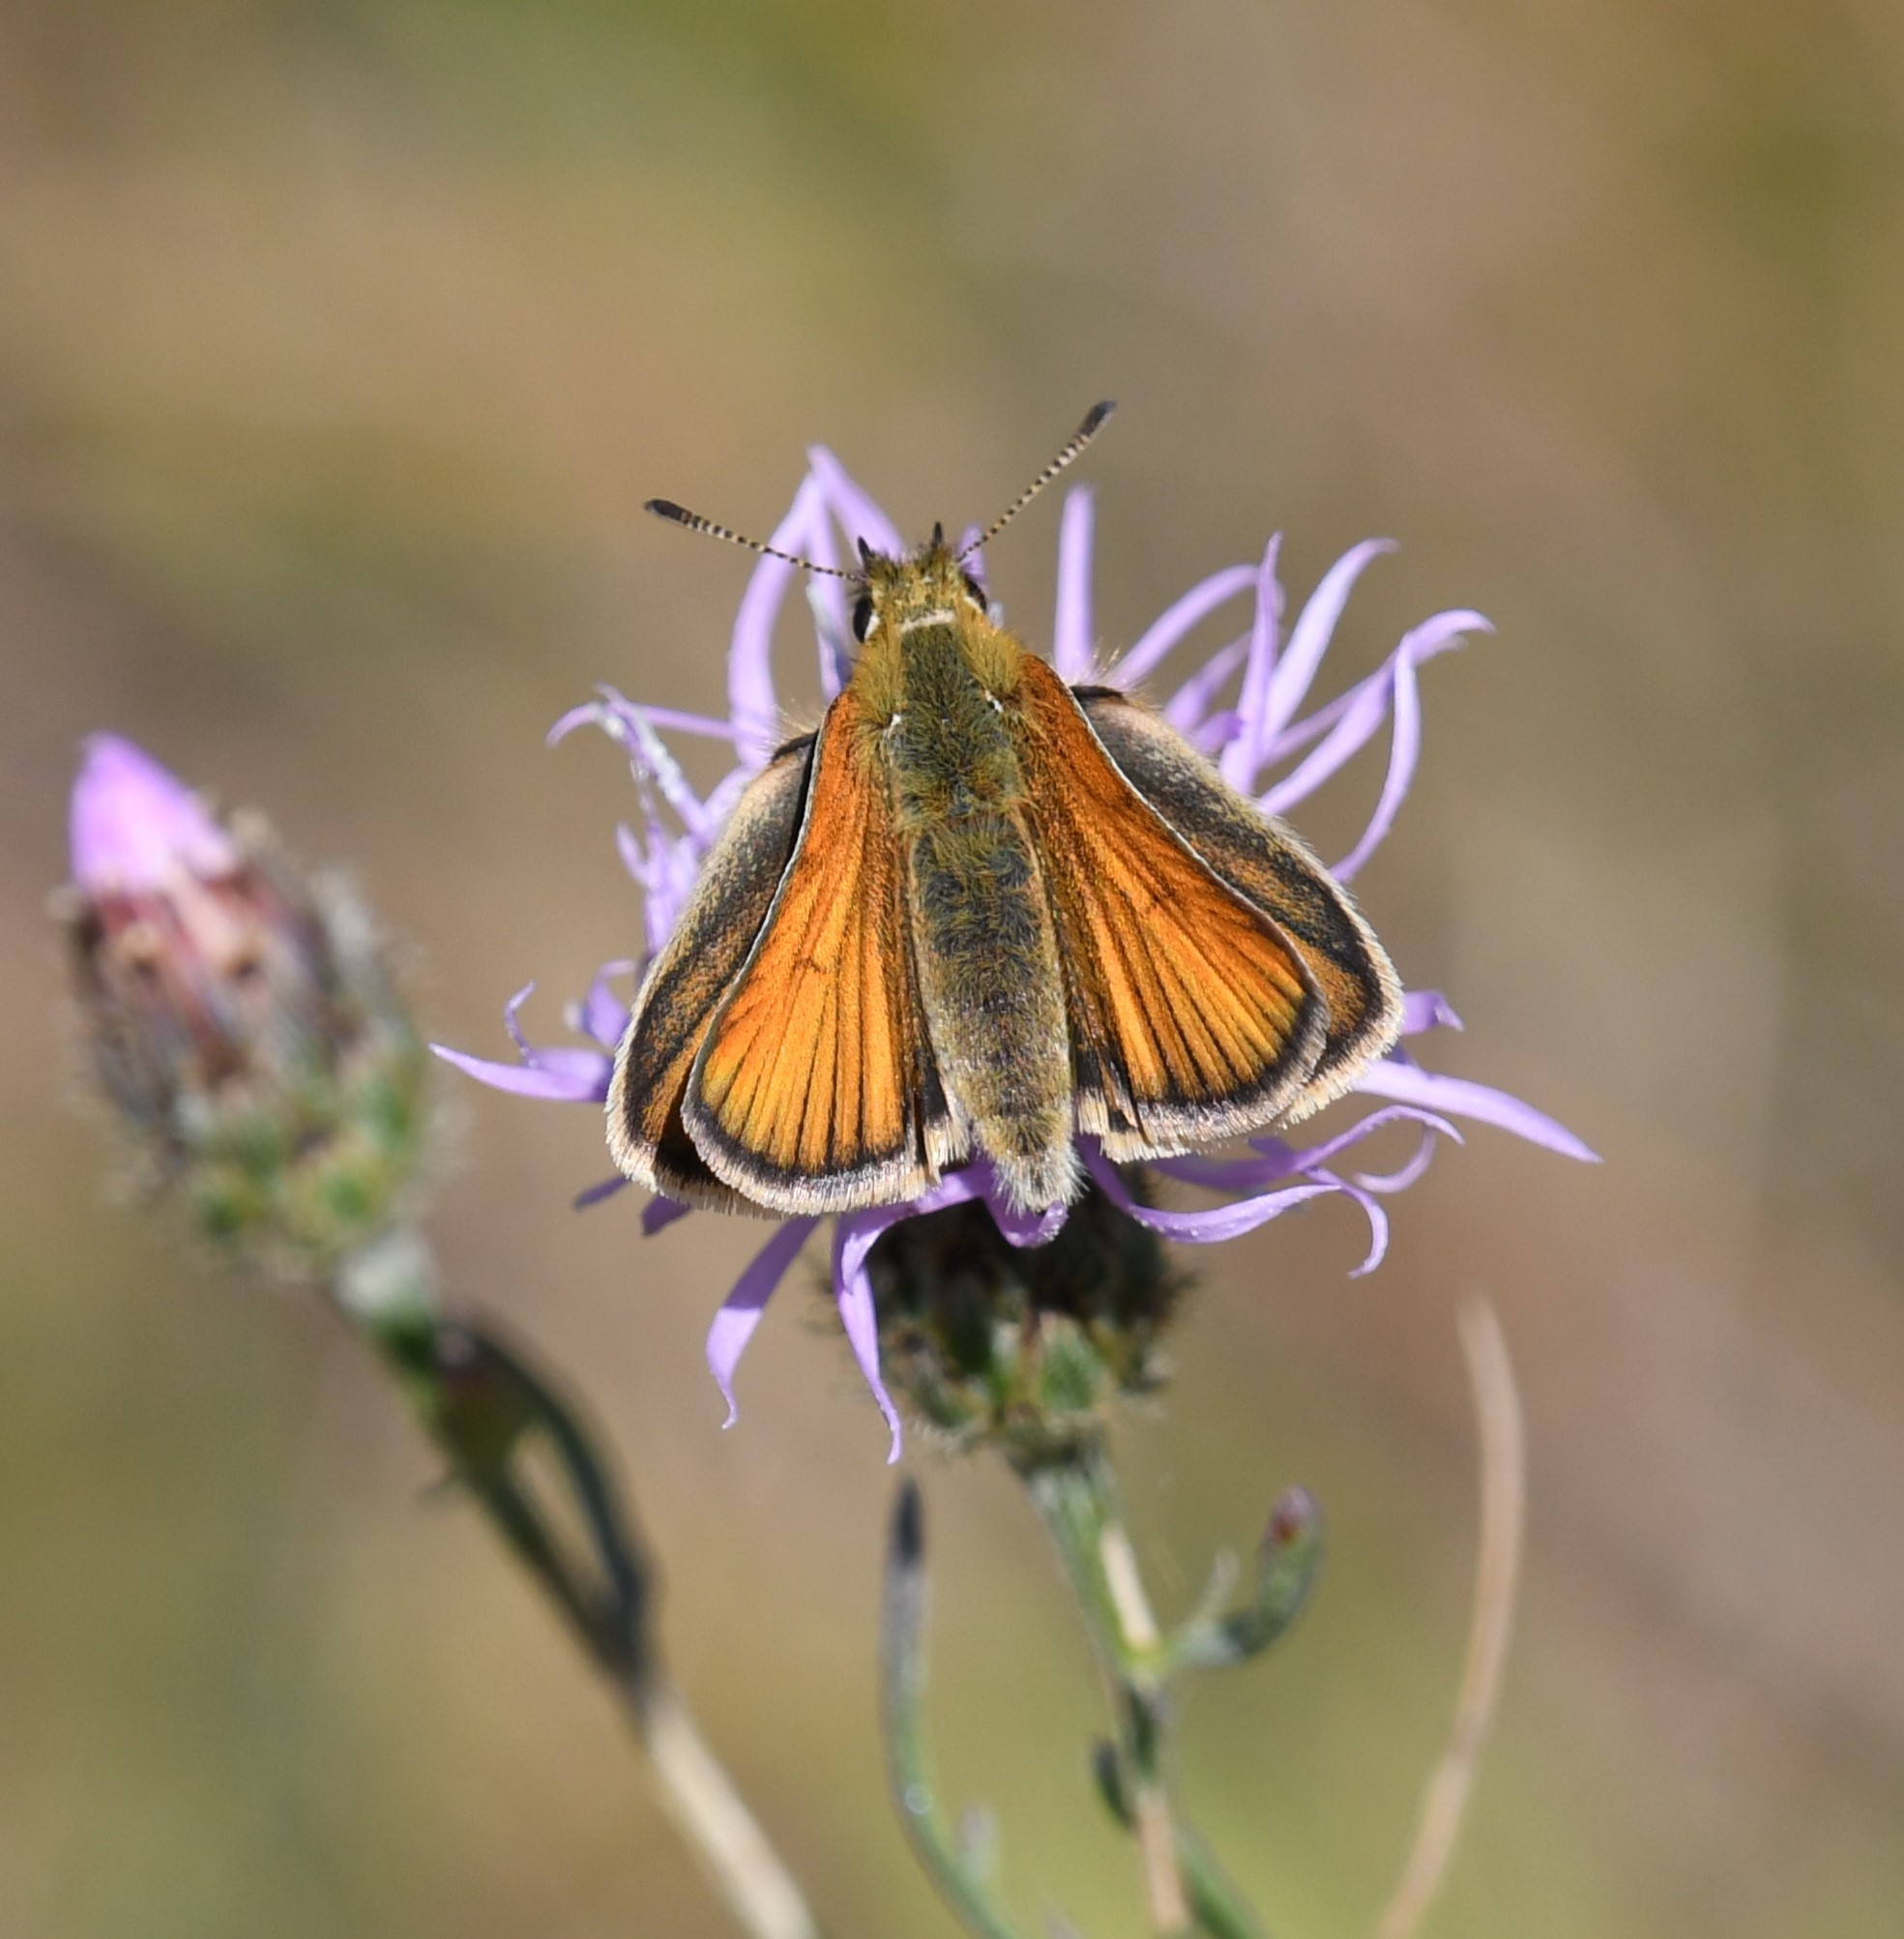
700, 1799
1497, 1584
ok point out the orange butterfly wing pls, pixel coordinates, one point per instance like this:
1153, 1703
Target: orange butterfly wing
814, 1088
1192, 1017
1268, 865
688, 978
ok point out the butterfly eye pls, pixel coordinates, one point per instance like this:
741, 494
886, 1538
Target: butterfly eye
863, 616
975, 593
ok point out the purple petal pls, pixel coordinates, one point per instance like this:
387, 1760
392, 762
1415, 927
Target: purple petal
1186, 709
1176, 619
828, 607
1071, 649
725, 793
853, 507
854, 1237
1219, 1223
587, 715
628, 845
1440, 634
1427, 1009
1404, 1175
658, 1213
596, 1193
1378, 1233
564, 1072
741, 1310
653, 756
1352, 732
1217, 732
1390, 1114
704, 724
1404, 751
1018, 1228
1407, 1082
134, 825
975, 1181
826, 600
589, 712
1378, 1225
1242, 758
1227, 1174
751, 692
673, 867
1310, 637
604, 712
604, 1016
512, 1018
649, 755
1229, 1221
1276, 1160
567, 1076
974, 559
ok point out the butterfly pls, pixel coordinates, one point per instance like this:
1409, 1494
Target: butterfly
978, 913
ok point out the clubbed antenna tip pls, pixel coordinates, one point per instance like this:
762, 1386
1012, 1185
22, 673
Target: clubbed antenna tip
1092, 424
679, 514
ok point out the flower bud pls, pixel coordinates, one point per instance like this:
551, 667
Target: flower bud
239, 1018
1021, 1348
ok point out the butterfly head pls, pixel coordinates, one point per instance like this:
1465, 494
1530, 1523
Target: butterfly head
932, 587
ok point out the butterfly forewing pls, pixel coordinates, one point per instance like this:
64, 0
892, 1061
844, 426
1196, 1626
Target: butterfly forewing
1265, 863
1192, 1017
702, 957
813, 1089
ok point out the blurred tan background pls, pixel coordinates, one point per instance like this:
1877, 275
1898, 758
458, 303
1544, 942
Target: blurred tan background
339, 346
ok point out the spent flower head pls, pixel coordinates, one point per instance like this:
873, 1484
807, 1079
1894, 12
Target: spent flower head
1248, 706
239, 1018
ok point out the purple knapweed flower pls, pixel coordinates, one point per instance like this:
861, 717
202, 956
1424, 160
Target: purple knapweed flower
1266, 744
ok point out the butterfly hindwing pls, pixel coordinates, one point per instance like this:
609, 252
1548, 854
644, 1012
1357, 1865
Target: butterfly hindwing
1192, 1017
814, 1088
1268, 864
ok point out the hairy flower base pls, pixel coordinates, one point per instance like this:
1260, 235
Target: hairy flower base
1243, 707
1021, 1347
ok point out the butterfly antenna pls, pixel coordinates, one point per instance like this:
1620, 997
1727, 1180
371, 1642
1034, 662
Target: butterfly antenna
1092, 424
665, 508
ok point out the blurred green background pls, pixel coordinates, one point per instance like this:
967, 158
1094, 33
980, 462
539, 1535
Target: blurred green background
339, 346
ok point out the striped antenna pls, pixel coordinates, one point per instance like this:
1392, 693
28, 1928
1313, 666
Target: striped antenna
1092, 424
666, 508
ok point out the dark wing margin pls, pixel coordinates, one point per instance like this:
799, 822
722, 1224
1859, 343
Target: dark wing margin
1267, 863
685, 982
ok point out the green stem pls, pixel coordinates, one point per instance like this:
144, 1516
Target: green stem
903, 1671
488, 1409
1077, 1496
1216, 1902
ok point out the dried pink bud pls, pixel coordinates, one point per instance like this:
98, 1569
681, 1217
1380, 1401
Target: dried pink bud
238, 1014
